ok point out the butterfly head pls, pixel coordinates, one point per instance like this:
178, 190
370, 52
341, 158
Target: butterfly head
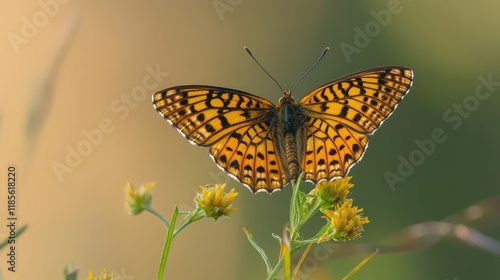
287, 97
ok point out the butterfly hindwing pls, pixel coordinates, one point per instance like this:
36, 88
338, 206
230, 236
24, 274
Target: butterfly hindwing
331, 149
250, 155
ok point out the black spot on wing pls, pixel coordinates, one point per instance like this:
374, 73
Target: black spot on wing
209, 128
224, 122
234, 164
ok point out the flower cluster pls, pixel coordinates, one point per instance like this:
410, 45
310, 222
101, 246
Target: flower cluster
102, 276
346, 221
138, 199
215, 202
212, 202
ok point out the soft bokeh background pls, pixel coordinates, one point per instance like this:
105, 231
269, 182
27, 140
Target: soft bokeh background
87, 63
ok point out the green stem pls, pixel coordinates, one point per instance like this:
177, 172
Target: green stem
294, 231
192, 217
287, 262
279, 265
152, 211
276, 269
308, 215
181, 227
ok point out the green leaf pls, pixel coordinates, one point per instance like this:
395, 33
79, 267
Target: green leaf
296, 203
18, 233
259, 250
168, 243
70, 272
360, 265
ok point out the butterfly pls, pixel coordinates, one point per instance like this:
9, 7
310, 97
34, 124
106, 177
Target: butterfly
265, 146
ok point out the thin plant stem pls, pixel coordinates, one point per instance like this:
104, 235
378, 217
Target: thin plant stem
152, 211
187, 221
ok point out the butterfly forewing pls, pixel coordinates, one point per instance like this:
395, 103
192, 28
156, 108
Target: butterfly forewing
205, 114
362, 100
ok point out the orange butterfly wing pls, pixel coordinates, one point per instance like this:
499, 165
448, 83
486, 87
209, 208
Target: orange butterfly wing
237, 126
245, 133
343, 113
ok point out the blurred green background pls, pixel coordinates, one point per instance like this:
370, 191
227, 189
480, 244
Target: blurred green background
69, 66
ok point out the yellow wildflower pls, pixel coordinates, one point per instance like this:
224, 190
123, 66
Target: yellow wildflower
334, 191
215, 202
138, 199
102, 276
346, 221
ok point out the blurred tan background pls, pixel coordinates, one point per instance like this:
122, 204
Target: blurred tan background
71, 68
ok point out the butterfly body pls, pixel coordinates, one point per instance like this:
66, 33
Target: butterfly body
265, 146
288, 112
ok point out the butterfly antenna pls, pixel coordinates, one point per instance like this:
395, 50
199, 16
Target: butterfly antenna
307, 72
250, 53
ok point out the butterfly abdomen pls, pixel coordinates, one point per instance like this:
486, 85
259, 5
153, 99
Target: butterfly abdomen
291, 156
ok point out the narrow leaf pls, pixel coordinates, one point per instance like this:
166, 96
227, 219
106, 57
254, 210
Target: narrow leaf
361, 264
259, 250
168, 242
302, 259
